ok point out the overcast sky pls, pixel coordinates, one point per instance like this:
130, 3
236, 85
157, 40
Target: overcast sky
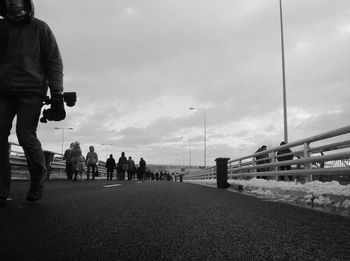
138, 65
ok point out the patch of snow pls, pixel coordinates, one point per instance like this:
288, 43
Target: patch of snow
323, 194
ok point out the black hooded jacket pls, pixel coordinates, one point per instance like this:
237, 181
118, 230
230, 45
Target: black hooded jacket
30, 60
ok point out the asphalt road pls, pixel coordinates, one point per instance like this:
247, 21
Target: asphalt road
163, 221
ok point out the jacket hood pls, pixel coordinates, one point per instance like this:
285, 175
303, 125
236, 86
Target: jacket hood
29, 6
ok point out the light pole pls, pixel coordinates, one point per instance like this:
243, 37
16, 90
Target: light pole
63, 129
190, 153
189, 150
106, 148
283, 79
205, 132
182, 150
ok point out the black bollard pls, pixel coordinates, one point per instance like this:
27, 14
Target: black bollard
48, 161
221, 173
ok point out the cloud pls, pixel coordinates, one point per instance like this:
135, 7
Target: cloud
138, 66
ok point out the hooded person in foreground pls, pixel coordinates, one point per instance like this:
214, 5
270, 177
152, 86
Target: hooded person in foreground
30, 63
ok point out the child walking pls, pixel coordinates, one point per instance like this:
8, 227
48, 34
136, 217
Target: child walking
81, 167
75, 154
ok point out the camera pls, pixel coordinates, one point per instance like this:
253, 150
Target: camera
56, 112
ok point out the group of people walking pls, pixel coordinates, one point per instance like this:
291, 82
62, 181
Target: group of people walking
125, 168
76, 162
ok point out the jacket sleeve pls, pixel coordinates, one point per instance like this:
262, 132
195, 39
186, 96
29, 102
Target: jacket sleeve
52, 60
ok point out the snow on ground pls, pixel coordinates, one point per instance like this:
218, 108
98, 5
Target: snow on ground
315, 193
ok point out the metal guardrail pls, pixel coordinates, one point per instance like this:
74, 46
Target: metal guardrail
307, 161
19, 167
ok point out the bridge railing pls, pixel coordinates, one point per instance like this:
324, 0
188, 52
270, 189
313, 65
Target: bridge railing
327, 154
19, 166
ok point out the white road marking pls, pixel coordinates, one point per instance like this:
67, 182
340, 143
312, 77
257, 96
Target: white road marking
114, 185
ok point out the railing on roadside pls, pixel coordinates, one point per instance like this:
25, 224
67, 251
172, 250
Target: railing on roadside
327, 154
57, 166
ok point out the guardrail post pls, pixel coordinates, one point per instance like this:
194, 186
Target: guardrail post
221, 173
254, 164
240, 165
307, 165
274, 160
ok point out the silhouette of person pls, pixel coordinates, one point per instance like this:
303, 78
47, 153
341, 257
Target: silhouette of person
110, 166
91, 160
68, 158
284, 155
30, 63
81, 168
142, 169
262, 159
131, 168
75, 158
122, 167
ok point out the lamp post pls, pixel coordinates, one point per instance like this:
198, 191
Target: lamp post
190, 154
63, 129
283, 79
189, 149
182, 152
106, 148
205, 132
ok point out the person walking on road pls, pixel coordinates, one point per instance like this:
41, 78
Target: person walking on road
122, 167
110, 166
81, 167
75, 158
131, 168
68, 158
91, 161
30, 63
141, 170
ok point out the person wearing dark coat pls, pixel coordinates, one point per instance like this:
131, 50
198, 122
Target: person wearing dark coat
30, 63
262, 159
91, 161
68, 158
131, 168
122, 167
284, 155
75, 159
141, 170
110, 166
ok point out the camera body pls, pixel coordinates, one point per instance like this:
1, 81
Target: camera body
56, 112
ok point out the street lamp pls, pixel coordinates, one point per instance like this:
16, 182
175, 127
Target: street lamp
107, 148
190, 154
205, 132
179, 154
283, 79
63, 129
189, 149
